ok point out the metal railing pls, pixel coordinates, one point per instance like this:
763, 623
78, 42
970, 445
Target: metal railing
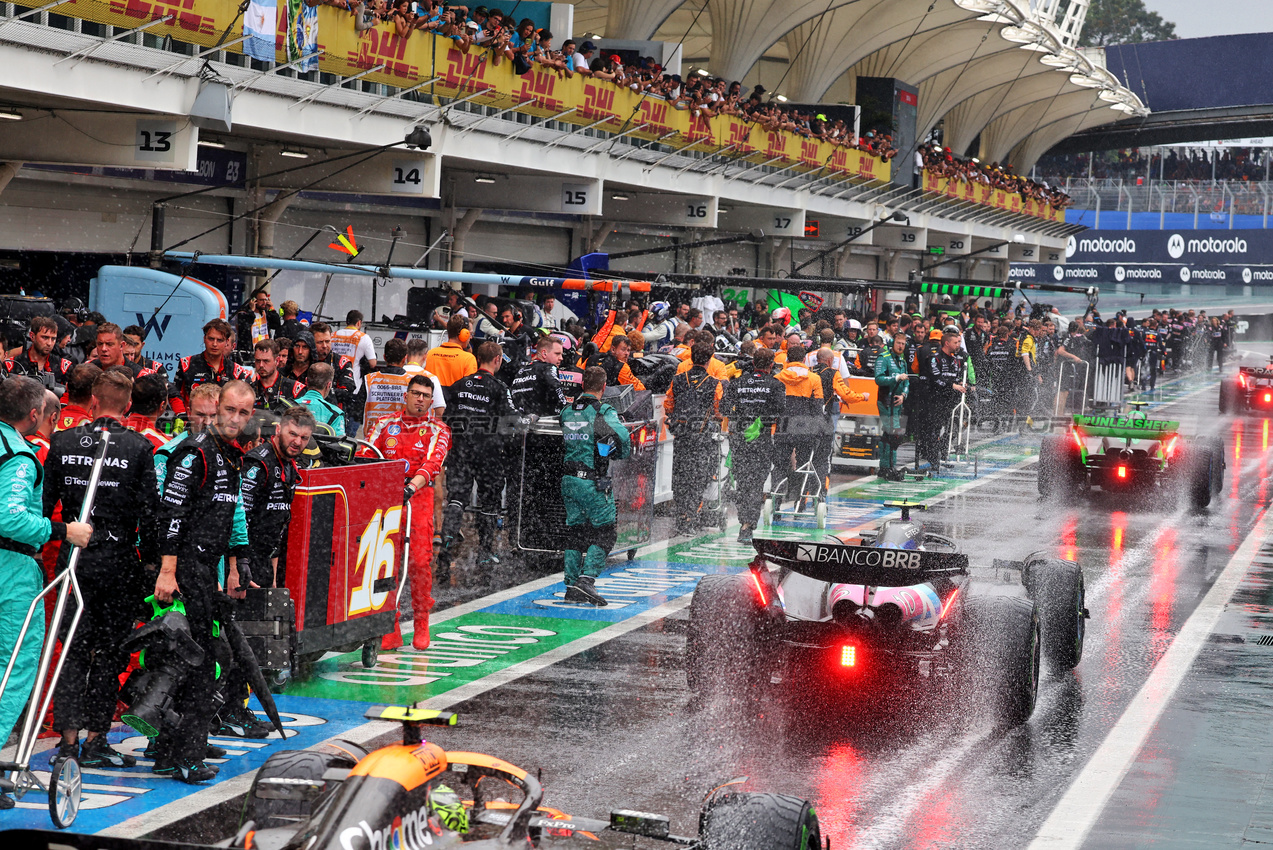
1114, 199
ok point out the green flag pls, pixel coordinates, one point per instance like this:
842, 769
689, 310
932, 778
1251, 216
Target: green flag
753, 431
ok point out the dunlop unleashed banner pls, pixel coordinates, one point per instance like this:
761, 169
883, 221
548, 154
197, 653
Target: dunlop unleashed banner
456, 73
979, 193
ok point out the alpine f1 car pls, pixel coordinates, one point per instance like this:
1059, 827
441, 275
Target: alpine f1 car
1251, 390
1130, 454
416, 795
900, 601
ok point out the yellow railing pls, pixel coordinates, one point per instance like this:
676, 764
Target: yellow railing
980, 193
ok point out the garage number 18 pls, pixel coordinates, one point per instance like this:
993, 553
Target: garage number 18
375, 561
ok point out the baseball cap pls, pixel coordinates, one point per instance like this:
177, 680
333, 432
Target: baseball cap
473, 25
481, 10
587, 45
615, 57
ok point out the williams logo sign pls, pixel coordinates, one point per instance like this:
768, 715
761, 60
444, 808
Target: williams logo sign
154, 326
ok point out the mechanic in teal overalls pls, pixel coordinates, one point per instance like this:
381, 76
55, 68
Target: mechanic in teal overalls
593, 436
893, 380
23, 530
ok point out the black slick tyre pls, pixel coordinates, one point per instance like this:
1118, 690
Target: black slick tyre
1058, 590
1201, 474
725, 645
1228, 396
755, 821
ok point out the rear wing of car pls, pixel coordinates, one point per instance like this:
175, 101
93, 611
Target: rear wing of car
1125, 427
841, 563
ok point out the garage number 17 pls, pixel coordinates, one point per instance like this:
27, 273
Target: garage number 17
375, 561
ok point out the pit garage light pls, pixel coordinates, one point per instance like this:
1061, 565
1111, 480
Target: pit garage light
11, 114
208, 143
1122, 472
782, 98
483, 179
848, 655
620, 198
293, 154
703, 72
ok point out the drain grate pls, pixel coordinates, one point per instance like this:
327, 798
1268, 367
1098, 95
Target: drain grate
1265, 640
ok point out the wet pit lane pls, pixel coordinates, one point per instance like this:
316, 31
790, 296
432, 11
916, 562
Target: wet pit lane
613, 727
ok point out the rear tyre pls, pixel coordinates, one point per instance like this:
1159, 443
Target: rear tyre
1058, 590
725, 645
1202, 475
753, 821
1006, 647
1228, 396
1058, 467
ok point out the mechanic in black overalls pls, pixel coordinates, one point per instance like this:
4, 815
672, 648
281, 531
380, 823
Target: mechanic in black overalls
482, 418
1217, 336
946, 375
196, 517
1001, 358
692, 404
754, 402
537, 391
110, 571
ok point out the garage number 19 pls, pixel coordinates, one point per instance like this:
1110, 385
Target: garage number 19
375, 561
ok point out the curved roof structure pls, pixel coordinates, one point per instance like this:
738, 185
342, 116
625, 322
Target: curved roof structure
1002, 71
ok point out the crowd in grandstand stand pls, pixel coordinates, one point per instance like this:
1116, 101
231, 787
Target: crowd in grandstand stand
526, 46
943, 162
1244, 164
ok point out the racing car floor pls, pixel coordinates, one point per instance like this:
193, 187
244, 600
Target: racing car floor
1156, 739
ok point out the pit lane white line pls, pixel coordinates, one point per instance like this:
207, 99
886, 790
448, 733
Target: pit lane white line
1078, 810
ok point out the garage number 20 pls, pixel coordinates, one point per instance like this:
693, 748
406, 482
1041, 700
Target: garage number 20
375, 561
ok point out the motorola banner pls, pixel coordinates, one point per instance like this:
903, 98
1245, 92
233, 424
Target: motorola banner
1195, 248
1159, 273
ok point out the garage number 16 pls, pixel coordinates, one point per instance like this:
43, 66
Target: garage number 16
375, 561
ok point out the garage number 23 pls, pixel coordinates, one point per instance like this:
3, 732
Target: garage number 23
375, 561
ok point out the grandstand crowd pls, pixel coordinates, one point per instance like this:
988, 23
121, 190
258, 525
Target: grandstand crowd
1134, 164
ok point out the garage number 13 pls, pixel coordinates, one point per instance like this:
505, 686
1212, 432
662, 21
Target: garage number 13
375, 561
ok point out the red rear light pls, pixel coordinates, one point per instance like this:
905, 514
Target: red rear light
848, 655
1122, 472
1078, 439
1171, 446
1268, 396
949, 601
1242, 379
760, 589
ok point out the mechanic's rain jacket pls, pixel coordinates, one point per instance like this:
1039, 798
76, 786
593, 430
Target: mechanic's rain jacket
944, 371
805, 402
126, 501
887, 370
481, 414
324, 411
754, 404
195, 520
450, 362
580, 432
23, 529
195, 370
537, 390
269, 482
619, 373
835, 391
284, 386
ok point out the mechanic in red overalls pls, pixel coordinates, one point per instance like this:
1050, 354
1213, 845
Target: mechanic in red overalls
421, 442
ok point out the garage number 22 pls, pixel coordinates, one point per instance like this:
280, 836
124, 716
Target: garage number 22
375, 561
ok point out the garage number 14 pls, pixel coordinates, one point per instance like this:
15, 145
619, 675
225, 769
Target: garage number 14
375, 561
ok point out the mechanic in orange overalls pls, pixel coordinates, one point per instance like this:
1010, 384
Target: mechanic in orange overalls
422, 443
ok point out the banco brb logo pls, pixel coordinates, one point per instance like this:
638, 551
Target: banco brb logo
1176, 246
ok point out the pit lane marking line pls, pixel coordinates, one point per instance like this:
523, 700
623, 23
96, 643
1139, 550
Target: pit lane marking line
1082, 804
239, 785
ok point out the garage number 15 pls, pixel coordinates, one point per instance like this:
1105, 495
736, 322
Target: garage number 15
375, 561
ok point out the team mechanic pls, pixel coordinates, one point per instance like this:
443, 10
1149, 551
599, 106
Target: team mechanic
40, 359
211, 366
269, 483
421, 442
196, 517
593, 435
537, 388
110, 570
754, 402
23, 529
481, 416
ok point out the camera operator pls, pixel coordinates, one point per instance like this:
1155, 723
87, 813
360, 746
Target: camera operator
594, 435
23, 530
109, 570
259, 322
536, 389
421, 442
79, 394
480, 414
269, 383
196, 514
39, 359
